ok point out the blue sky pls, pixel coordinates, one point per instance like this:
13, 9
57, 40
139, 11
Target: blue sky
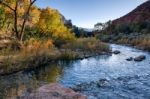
85, 13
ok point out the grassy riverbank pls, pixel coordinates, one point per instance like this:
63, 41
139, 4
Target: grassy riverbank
140, 42
31, 57
137, 40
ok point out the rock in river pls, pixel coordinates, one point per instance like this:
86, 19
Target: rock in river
129, 59
54, 91
102, 83
116, 52
140, 58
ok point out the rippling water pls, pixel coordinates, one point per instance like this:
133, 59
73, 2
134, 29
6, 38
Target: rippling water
126, 80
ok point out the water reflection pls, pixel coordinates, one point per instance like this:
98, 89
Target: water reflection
49, 73
14, 86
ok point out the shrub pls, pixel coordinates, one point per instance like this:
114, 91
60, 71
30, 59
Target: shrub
141, 41
68, 55
34, 44
87, 44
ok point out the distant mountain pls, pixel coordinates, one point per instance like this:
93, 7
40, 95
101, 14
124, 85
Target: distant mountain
141, 13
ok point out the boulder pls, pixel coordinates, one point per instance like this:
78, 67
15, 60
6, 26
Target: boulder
116, 52
129, 59
140, 58
54, 91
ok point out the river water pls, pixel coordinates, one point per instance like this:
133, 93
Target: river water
120, 79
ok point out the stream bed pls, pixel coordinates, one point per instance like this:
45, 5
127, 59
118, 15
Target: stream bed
99, 77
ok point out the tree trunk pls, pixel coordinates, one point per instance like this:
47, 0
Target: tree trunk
19, 35
15, 25
24, 22
25, 19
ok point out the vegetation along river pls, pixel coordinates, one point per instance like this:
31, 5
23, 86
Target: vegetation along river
105, 76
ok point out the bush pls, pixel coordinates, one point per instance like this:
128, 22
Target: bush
68, 55
34, 44
142, 42
87, 44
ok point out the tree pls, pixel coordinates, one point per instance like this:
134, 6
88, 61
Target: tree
34, 15
52, 25
68, 24
15, 6
98, 26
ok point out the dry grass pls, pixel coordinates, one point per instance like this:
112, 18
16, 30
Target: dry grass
38, 53
87, 44
140, 42
34, 53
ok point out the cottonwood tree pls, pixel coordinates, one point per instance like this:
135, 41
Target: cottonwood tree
102, 26
98, 26
15, 7
51, 24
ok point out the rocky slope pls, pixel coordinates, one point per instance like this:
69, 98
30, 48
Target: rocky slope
141, 13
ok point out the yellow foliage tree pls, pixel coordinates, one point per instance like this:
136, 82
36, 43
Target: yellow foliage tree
34, 15
51, 23
20, 10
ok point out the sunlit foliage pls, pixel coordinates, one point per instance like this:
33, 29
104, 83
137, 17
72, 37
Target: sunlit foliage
50, 23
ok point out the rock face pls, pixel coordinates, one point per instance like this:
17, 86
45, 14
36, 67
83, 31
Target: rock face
141, 13
140, 58
116, 52
54, 91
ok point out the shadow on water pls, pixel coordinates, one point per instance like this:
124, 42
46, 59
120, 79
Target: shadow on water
22, 83
124, 78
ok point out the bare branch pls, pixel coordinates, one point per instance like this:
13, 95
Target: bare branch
32, 2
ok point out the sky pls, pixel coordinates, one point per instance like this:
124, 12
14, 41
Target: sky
86, 13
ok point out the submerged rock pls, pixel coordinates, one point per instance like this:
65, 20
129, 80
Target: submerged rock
81, 87
129, 59
54, 91
116, 52
140, 58
102, 83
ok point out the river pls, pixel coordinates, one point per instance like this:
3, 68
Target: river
120, 79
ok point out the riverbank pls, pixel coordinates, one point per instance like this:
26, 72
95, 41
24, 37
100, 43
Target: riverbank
136, 40
12, 63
